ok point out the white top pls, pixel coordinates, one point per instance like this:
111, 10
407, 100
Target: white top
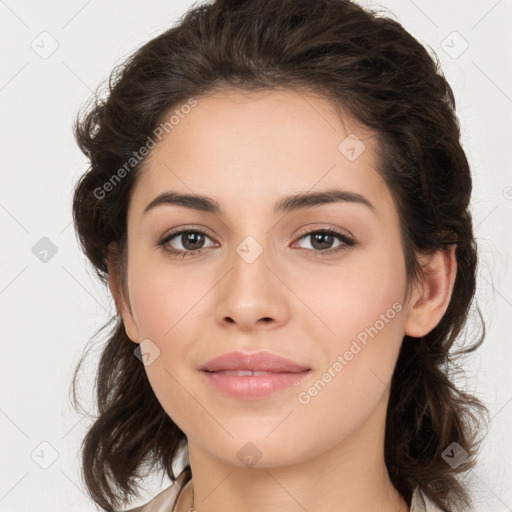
166, 500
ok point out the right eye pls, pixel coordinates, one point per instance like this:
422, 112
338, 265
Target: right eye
190, 240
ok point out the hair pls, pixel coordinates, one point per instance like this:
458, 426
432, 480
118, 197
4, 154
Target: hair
372, 68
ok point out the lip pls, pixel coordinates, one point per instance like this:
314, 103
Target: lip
260, 361
282, 373
255, 386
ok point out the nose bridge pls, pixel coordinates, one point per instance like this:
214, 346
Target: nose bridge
251, 291
252, 242
250, 260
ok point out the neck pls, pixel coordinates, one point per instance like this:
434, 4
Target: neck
271, 492
351, 476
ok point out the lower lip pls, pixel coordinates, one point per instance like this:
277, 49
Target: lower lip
255, 386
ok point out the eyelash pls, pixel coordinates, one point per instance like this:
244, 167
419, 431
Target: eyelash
347, 242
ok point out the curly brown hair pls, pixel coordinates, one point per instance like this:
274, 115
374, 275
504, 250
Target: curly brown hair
370, 66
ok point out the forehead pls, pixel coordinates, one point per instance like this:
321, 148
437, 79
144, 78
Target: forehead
252, 148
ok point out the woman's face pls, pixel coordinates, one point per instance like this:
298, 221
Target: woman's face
257, 281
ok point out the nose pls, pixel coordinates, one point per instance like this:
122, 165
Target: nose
252, 295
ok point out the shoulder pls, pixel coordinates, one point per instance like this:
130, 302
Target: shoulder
163, 501
420, 503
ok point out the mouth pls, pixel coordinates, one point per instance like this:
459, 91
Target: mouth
252, 376
249, 373
255, 362
252, 385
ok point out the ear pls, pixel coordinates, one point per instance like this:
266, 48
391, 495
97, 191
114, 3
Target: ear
431, 296
122, 303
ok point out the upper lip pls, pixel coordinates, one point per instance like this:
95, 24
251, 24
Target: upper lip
261, 361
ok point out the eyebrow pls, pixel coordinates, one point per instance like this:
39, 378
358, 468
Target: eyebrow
287, 204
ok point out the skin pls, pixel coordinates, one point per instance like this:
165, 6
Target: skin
248, 151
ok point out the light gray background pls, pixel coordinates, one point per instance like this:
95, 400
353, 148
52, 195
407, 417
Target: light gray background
49, 310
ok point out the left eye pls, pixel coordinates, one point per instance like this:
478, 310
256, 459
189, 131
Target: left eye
322, 240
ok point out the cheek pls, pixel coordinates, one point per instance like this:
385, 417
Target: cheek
366, 289
375, 319
362, 311
166, 300
170, 308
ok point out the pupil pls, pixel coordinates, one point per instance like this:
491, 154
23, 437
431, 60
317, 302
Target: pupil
193, 241
195, 238
324, 239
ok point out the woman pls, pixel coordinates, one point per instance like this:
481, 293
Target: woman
278, 200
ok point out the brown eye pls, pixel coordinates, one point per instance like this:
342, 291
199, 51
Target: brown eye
323, 239
185, 242
190, 242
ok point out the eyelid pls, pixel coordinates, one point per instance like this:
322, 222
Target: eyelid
322, 227
304, 230
186, 227
165, 239
343, 235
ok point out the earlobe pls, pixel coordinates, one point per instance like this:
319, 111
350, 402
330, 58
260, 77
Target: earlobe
431, 298
123, 308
